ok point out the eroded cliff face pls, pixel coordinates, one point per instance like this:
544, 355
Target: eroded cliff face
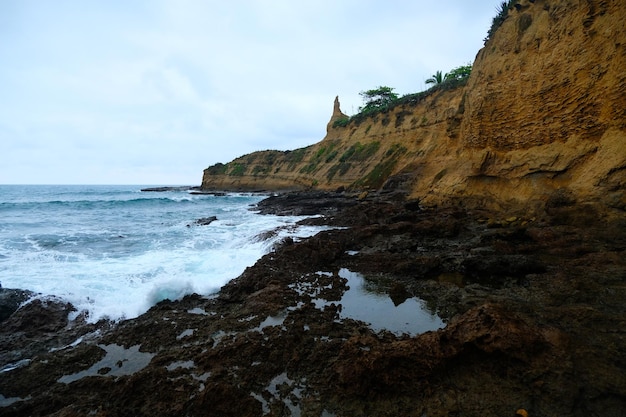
545, 106
542, 118
361, 155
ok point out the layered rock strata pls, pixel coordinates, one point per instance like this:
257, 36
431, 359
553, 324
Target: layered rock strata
543, 114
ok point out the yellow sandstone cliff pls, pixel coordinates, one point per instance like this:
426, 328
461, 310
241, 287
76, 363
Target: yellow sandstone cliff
543, 114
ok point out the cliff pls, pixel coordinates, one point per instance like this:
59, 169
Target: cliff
542, 118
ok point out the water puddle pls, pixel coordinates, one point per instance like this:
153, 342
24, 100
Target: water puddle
199, 311
270, 321
186, 333
282, 389
5, 402
11, 366
118, 361
180, 365
71, 345
219, 335
360, 303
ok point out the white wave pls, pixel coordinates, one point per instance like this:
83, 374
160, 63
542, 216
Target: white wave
118, 265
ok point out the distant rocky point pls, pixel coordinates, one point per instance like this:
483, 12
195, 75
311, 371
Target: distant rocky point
176, 188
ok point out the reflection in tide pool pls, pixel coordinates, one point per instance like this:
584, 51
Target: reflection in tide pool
117, 362
411, 317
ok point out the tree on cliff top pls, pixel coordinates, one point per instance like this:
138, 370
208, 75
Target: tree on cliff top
502, 13
457, 73
436, 78
377, 99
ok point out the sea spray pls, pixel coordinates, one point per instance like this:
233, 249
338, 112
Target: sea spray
115, 251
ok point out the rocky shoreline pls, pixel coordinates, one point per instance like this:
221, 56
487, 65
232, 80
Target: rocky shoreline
534, 310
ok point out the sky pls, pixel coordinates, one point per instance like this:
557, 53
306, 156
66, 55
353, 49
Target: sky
154, 91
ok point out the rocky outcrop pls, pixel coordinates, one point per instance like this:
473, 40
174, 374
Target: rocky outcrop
544, 108
534, 311
10, 300
543, 112
337, 115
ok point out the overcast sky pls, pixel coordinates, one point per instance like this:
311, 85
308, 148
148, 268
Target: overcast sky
154, 91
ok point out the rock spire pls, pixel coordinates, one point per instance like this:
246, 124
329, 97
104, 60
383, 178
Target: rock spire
337, 114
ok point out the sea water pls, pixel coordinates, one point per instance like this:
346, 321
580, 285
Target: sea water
115, 251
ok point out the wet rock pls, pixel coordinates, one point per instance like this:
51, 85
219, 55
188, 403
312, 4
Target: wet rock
44, 314
534, 319
496, 269
164, 189
41, 325
387, 366
302, 204
10, 300
204, 221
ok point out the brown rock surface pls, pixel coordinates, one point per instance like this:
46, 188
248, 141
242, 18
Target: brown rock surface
543, 110
533, 301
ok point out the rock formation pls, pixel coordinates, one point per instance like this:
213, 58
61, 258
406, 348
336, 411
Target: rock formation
337, 115
543, 114
533, 305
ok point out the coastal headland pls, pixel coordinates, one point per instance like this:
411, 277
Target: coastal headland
499, 204
542, 113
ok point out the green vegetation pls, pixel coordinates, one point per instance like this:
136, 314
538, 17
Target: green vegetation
436, 78
308, 168
379, 174
377, 99
382, 99
359, 152
396, 148
270, 157
458, 73
343, 122
502, 13
294, 157
341, 168
400, 116
331, 155
260, 170
354, 155
217, 169
324, 154
237, 169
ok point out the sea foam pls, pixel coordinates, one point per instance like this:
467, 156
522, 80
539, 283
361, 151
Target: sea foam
115, 252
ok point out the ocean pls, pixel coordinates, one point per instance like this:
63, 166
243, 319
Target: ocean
115, 251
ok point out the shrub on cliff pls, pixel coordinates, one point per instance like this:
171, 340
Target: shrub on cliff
217, 169
458, 73
382, 99
450, 78
379, 98
502, 13
436, 78
343, 122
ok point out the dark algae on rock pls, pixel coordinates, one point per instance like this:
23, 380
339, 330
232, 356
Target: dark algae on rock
533, 310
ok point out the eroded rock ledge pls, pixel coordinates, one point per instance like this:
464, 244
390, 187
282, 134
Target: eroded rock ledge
534, 310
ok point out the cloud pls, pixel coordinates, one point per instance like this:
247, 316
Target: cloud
155, 91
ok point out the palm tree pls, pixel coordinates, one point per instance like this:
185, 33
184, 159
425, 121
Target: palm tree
436, 78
